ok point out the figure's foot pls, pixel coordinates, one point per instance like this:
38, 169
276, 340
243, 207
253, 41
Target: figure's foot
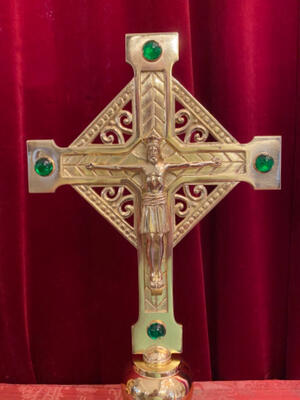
156, 283
156, 279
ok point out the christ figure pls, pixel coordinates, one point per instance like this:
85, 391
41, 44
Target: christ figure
155, 215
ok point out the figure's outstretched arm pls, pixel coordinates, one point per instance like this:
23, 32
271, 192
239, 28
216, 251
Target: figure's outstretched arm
215, 162
111, 167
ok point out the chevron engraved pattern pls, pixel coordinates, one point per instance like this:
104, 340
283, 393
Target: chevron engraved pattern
232, 163
74, 165
155, 304
153, 102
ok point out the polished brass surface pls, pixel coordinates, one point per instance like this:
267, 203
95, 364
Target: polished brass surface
161, 370
154, 162
156, 356
166, 382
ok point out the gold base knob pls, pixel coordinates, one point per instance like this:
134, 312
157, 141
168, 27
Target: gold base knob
157, 382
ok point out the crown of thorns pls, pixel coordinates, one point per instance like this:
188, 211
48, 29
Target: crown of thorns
153, 138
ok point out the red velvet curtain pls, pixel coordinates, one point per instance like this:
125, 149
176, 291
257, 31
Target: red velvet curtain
68, 280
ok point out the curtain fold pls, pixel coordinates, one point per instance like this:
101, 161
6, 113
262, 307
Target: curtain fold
68, 280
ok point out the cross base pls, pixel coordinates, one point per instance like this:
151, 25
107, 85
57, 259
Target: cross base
161, 381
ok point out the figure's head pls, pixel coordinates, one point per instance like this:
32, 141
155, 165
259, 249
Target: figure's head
153, 147
153, 153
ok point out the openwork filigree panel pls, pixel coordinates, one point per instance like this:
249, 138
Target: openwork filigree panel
187, 198
188, 128
200, 116
117, 130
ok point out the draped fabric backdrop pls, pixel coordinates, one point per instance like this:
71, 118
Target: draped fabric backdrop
68, 280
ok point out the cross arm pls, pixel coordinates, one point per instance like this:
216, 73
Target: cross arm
236, 162
70, 165
92, 166
200, 164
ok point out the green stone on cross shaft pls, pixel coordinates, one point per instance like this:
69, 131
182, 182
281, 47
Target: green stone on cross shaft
152, 50
43, 166
156, 330
264, 163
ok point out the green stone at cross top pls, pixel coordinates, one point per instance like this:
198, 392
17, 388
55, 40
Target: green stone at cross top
152, 50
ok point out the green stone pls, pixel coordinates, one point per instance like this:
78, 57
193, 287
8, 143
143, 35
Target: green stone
152, 50
264, 163
156, 330
43, 166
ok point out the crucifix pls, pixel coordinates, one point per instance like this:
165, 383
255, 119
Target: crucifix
154, 162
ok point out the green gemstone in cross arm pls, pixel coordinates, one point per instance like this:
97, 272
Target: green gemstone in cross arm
156, 330
151, 50
264, 163
43, 166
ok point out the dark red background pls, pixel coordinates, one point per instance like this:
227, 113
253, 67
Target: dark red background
68, 280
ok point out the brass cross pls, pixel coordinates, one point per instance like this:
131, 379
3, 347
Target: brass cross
154, 162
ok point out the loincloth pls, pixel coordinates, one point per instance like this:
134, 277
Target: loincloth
154, 218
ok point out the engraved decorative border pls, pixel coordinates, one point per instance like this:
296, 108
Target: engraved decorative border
153, 305
201, 211
109, 112
200, 112
107, 212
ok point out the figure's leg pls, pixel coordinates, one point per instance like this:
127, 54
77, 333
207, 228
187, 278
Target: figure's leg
158, 253
161, 249
150, 252
159, 246
155, 253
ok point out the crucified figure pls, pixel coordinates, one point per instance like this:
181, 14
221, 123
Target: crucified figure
155, 216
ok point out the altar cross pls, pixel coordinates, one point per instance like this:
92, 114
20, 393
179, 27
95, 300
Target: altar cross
154, 162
